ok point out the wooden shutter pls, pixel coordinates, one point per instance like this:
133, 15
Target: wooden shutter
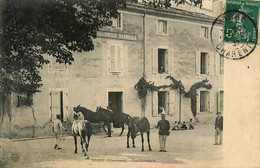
154, 103
201, 31
198, 101
209, 101
197, 69
125, 59
171, 102
65, 105
55, 104
218, 101
211, 63
170, 61
113, 58
119, 57
108, 58
217, 64
155, 60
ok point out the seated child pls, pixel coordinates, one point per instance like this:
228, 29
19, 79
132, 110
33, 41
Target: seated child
179, 125
191, 125
184, 126
175, 126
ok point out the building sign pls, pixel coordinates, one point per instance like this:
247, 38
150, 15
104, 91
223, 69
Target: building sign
115, 35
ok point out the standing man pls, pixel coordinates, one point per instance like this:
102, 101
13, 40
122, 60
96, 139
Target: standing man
219, 129
57, 130
164, 131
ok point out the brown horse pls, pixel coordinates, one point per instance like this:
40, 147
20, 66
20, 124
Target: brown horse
118, 119
83, 129
142, 125
95, 117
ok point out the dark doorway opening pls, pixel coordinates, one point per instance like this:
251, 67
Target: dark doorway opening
115, 101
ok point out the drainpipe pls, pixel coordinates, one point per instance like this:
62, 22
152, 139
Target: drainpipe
143, 100
180, 108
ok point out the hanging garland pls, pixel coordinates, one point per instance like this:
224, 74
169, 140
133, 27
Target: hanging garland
142, 86
193, 94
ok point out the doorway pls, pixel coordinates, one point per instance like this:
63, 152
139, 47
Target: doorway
115, 101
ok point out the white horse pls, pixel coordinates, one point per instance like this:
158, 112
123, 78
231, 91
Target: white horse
83, 129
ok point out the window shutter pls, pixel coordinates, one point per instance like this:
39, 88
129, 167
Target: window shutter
112, 58
108, 58
198, 101
166, 60
171, 102
211, 63
154, 103
50, 64
55, 104
170, 61
209, 101
65, 106
119, 62
125, 59
197, 69
218, 101
201, 32
217, 61
155, 60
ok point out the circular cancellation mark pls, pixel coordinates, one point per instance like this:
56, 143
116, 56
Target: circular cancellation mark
234, 34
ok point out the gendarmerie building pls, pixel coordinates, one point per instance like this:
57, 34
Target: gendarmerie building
144, 41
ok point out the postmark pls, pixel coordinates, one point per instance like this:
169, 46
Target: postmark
234, 34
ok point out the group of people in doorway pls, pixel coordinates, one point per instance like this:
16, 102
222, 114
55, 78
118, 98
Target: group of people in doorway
163, 126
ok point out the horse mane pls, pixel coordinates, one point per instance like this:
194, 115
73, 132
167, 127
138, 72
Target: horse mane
84, 109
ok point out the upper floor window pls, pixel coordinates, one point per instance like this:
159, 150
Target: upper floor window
204, 63
56, 67
117, 22
204, 32
115, 58
162, 60
221, 65
162, 27
204, 101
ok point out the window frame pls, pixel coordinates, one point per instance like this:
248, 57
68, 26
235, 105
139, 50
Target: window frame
158, 27
118, 22
202, 32
116, 71
52, 70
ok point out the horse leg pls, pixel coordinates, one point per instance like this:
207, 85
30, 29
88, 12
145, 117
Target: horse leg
133, 141
82, 145
109, 129
85, 147
128, 134
142, 142
104, 128
148, 140
75, 141
123, 127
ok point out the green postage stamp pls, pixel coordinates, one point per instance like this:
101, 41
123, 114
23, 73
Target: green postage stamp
240, 29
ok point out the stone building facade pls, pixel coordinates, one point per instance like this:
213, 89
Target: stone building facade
142, 42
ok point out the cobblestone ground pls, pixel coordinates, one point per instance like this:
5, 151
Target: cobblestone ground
185, 148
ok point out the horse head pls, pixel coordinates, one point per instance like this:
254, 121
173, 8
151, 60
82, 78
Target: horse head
76, 109
134, 131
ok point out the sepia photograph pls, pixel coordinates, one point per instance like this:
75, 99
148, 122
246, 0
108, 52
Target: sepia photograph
129, 83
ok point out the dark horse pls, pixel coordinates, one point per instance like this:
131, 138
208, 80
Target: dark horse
96, 117
118, 119
83, 129
142, 125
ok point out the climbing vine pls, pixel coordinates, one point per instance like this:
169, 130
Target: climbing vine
142, 86
192, 93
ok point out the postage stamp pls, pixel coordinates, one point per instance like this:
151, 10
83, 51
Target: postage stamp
239, 27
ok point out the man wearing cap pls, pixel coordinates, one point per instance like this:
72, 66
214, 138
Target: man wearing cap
164, 127
218, 129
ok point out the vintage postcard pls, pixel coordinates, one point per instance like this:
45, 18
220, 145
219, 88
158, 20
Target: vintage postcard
133, 83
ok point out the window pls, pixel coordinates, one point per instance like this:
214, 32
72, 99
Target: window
220, 101
165, 99
162, 61
162, 27
204, 101
55, 67
204, 63
221, 65
117, 22
204, 32
59, 104
115, 58
162, 54
221, 35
